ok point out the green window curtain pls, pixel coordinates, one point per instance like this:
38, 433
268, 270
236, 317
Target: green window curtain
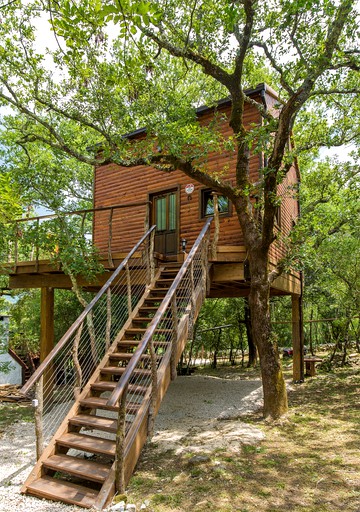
160, 210
172, 211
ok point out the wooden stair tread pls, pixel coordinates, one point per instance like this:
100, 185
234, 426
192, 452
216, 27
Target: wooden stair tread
126, 355
97, 402
116, 370
146, 319
91, 421
104, 385
134, 343
87, 469
140, 330
87, 443
59, 490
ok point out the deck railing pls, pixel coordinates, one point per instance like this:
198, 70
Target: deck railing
172, 324
66, 370
45, 237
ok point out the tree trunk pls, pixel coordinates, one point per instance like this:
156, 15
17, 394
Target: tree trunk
252, 347
275, 396
311, 347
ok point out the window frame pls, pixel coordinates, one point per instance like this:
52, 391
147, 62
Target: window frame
203, 198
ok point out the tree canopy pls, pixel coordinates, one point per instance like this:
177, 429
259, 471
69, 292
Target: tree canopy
115, 66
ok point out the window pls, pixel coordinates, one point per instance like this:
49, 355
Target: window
278, 217
207, 203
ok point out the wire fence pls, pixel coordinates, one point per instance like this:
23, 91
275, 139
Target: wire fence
67, 369
160, 344
46, 237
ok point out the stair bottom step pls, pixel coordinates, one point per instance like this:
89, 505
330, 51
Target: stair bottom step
86, 469
59, 490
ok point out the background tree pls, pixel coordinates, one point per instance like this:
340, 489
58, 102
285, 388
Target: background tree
160, 59
330, 247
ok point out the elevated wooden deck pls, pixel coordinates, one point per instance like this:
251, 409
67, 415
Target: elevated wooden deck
227, 275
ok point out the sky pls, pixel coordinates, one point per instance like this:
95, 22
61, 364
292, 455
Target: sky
46, 40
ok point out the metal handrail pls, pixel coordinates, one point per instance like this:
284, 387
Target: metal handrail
82, 213
62, 342
79, 212
124, 381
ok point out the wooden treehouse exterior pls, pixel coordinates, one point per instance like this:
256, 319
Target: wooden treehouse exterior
179, 208
99, 388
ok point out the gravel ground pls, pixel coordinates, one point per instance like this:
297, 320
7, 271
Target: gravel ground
189, 420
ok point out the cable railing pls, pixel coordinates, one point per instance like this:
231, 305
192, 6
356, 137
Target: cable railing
91, 231
66, 371
160, 346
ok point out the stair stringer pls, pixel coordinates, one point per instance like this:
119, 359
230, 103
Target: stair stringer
50, 449
138, 433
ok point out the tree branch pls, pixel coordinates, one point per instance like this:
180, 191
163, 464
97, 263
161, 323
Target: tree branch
60, 145
169, 163
244, 40
209, 68
274, 64
291, 108
335, 91
77, 117
260, 107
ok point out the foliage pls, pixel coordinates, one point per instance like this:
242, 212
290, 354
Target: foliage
25, 318
120, 65
214, 341
327, 249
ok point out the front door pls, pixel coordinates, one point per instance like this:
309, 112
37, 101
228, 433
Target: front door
165, 216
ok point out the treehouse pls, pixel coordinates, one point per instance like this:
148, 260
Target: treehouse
179, 208
166, 243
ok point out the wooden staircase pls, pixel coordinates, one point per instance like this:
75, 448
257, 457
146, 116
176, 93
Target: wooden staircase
78, 466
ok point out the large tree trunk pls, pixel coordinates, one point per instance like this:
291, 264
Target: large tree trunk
252, 347
275, 396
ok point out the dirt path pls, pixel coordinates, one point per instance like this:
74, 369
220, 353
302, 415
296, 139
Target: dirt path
190, 416
187, 421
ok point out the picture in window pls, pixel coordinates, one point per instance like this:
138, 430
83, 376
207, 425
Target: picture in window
207, 203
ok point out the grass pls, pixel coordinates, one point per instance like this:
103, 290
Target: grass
309, 461
11, 412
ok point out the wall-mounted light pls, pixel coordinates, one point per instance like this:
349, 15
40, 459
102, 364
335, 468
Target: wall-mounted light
183, 244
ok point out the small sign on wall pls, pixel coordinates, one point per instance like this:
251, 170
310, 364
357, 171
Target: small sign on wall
189, 189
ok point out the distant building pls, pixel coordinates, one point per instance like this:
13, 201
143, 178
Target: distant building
10, 369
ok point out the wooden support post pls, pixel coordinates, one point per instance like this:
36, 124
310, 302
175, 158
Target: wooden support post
128, 287
108, 319
298, 348
110, 259
16, 247
37, 246
193, 301
39, 426
154, 389
204, 269
120, 445
174, 337
47, 334
77, 365
217, 228
151, 255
